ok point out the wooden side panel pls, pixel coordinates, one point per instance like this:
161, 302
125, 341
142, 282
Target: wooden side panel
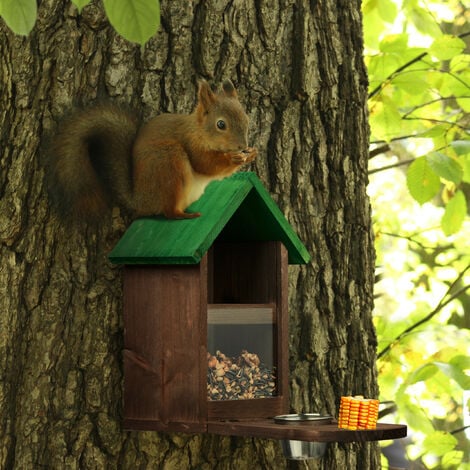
282, 324
164, 335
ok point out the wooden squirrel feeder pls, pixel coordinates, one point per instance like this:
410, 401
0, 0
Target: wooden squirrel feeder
219, 282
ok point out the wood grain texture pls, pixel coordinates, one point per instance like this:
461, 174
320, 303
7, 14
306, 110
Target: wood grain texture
165, 331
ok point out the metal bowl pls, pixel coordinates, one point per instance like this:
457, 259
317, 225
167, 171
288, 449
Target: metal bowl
303, 418
302, 450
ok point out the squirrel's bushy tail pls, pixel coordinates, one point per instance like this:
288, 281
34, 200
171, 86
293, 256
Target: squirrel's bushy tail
89, 162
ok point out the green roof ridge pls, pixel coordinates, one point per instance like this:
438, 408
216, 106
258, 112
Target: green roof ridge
156, 240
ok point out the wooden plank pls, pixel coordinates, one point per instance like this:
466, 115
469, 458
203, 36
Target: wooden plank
202, 333
244, 273
143, 381
165, 343
268, 429
245, 314
282, 331
184, 335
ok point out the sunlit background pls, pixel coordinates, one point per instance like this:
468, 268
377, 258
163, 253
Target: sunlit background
417, 54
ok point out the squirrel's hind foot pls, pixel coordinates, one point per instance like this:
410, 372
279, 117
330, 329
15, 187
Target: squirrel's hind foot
176, 214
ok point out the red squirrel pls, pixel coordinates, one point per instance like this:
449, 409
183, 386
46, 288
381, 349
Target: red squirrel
100, 157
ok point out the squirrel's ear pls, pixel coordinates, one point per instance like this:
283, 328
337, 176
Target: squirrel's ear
229, 89
206, 96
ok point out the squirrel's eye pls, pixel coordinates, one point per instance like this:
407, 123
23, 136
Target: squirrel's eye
221, 124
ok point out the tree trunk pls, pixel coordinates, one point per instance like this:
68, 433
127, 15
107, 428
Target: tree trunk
299, 69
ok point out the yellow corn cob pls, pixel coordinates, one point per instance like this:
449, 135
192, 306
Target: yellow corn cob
373, 414
344, 412
358, 413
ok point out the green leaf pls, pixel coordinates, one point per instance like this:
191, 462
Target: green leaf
394, 43
446, 47
439, 443
385, 119
464, 103
452, 459
423, 20
461, 361
19, 15
438, 130
422, 182
465, 160
387, 10
423, 373
454, 370
379, 67
368, 6
80, 4
454, 85
454, 215
445, 167
136, 20
373, 25
412, 82
413, 415
460, 63
461, 147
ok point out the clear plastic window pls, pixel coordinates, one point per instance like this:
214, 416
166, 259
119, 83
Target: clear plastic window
241, 354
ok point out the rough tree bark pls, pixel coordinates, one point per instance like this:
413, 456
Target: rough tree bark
298, 65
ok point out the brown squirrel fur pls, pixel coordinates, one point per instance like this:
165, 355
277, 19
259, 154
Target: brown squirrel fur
99, 157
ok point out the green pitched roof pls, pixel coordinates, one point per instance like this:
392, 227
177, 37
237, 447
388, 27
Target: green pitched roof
234, 209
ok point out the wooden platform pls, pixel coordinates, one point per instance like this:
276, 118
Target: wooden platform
268, 429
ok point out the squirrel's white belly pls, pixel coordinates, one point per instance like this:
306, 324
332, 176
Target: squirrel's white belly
198, 186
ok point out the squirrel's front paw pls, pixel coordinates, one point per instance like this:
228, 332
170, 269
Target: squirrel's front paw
245, 156
238, 158
251, 153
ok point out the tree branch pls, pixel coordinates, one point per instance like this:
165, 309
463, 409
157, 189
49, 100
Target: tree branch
411, 239
398, 70
405, 66
396, 139
379, 150
440, 306
456, 431
394, 165
423, 105
437, 121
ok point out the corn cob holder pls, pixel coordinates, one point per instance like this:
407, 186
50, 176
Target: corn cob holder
358, 413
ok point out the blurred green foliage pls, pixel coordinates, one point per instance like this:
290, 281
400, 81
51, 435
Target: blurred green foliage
135, 20
419, 102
